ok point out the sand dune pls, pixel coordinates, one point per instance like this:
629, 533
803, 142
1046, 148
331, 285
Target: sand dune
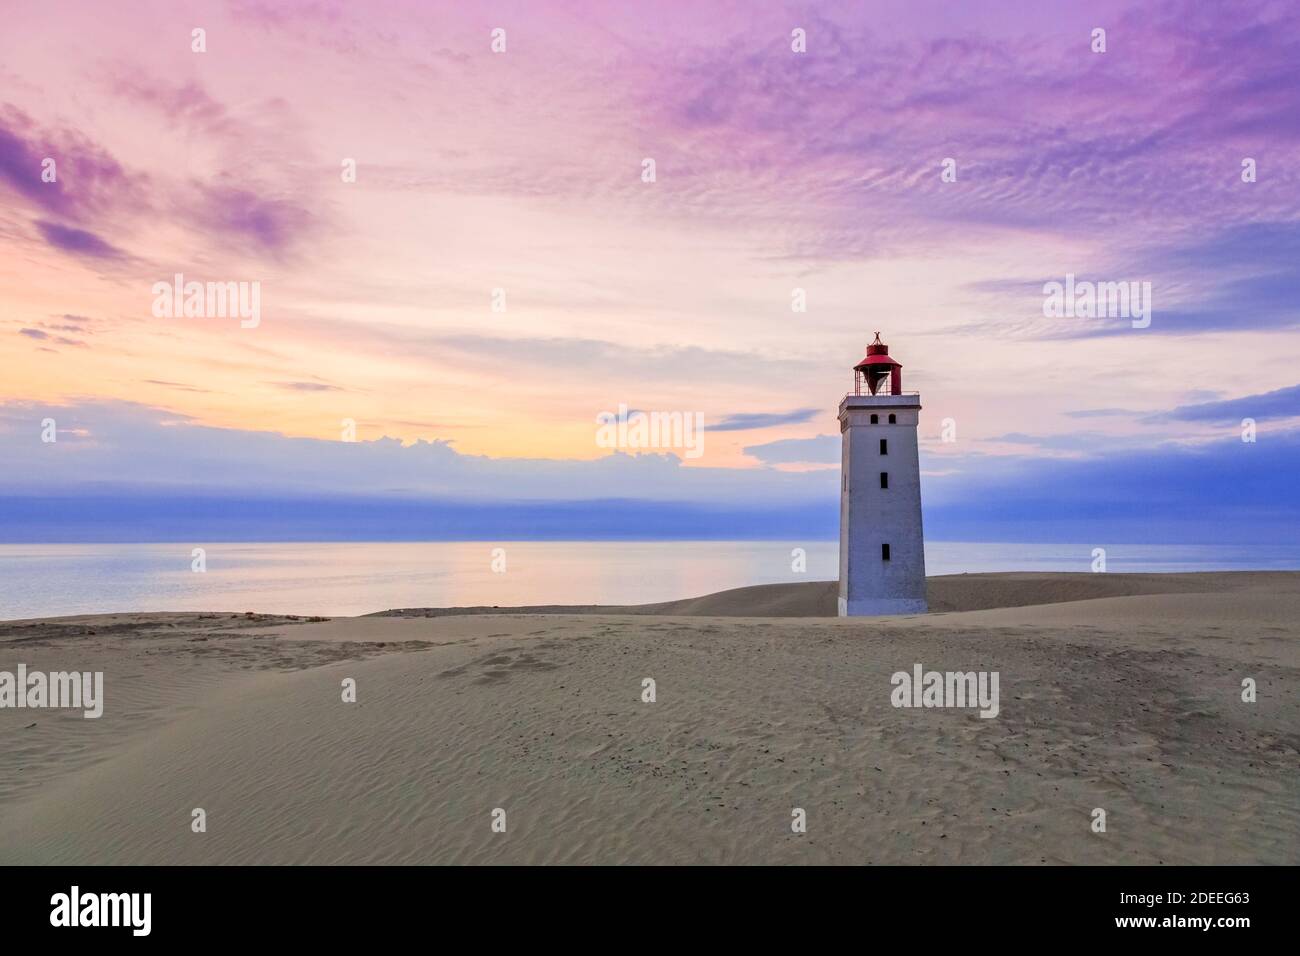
953, 592
1117, 691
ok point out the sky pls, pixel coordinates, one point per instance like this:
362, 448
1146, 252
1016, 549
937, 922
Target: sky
439, 334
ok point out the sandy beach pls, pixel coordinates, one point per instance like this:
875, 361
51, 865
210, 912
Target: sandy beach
1118, 691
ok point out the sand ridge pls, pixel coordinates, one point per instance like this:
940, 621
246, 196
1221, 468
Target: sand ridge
951, 592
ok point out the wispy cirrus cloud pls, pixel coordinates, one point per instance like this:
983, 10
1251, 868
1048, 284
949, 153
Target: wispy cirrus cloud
1030, 118
187, 102
1280, 403
1240, 277
307, 386
747, 421
180, 386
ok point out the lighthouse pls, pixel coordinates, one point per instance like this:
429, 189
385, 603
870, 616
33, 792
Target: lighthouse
882, 553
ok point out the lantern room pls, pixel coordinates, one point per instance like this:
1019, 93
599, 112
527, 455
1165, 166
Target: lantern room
875, 370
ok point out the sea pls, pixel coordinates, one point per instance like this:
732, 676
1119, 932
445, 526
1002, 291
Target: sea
347, 578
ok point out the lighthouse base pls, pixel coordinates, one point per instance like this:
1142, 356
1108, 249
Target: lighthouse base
874, 607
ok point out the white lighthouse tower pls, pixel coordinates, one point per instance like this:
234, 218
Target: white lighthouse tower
882, 554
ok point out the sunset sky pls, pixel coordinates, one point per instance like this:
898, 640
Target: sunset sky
775, 171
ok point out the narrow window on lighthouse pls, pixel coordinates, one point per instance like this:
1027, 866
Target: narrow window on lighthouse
884, 552
884, 479
884, 446
893, 419
875, 419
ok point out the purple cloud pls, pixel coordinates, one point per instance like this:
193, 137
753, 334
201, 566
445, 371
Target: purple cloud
77, 241
45, 336
180, 386
88, 179
70, 323
1279, 403
1048, 137
188, 104
265, 224
747, 421
306, 386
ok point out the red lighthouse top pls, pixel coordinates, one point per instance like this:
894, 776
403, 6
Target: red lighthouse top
875, 368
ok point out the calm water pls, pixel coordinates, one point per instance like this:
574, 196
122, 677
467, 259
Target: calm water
356, 578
